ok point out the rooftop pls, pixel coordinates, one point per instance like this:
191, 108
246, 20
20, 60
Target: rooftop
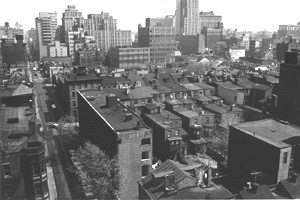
229, 85
175, 87
142, 93
115, 115
166, 119
189, 113
261, 192
15, 90
187, 188
204, 86
191, 86
221, 109
163, 89
270, 131
14, 121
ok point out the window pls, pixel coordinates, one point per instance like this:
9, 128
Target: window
145, 155
285, 157
145, 170
36, 170
74, 103
73, 94
176, 133
38, 190
195, 121
6, 169
146, 141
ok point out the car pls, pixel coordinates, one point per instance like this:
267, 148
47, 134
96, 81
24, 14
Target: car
54, 125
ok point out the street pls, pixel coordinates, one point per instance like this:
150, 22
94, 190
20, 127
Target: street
46, 117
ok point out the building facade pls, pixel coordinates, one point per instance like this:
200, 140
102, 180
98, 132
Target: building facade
187, 17
160, 39
288, 97
69, 18
265, 147
121, 133
46, 25
129, 58
57, 50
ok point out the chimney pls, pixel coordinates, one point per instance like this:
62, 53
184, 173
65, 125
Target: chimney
293, 178
111, 100
127, 91
232, 107
138, 125
221, 102
128, 117
254, 187
208, 182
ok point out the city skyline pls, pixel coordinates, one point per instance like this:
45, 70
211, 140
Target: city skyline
253, 17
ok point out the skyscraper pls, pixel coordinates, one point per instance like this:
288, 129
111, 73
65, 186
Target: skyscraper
46, 25
69, 18
187, 17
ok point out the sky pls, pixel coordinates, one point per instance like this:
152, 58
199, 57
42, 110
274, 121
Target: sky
252, 15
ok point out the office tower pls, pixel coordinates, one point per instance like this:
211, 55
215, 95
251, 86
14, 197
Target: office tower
69, 18
187, 17
211, 27
104, 29
46, 25
158, 34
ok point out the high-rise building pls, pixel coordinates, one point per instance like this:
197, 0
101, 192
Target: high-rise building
8, 32
104, 29
32, 43
187, 17
159, 35
211, 27
69, 18
46, 25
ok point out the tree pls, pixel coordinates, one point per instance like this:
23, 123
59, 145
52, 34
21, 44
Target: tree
102, 172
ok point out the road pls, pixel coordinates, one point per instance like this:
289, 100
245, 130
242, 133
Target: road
46, 117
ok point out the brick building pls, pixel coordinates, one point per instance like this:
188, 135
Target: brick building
268, 147
14, 53
119, 132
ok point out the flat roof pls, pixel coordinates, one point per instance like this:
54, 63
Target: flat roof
270, 131
229, 85
21, 127
189, 113
221, 109
166, 119
191, 86
114, 115
142, 92
204, 86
